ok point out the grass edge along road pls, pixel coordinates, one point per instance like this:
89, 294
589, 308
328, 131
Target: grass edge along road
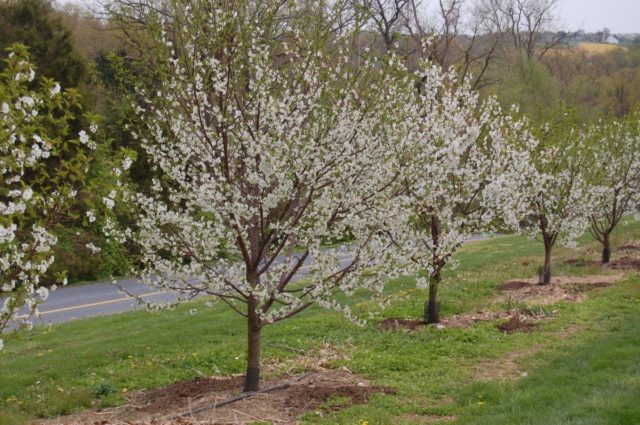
468, 376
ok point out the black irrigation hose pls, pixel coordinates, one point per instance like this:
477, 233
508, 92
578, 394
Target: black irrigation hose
242, 396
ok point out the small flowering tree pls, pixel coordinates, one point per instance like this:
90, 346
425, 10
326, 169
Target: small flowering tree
463, 174
615, 167
42, 165
268, 142
555, 198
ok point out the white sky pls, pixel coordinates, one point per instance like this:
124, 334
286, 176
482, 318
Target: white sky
620, 16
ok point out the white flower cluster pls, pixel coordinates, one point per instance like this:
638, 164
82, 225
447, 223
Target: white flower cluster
267, 151
462, 172
27, 211
615, 167
259, 173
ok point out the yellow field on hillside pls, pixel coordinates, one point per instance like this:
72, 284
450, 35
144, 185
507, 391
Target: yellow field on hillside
598, 48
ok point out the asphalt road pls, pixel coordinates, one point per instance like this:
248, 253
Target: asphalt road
103, 298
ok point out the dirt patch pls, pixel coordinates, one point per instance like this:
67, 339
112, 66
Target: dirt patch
513, 285
467, 320
394, 323
462, 321
183, 392
581, 262
562, 288
630, 246
323, 392
625, 263
505, 367
515, 324
630, 260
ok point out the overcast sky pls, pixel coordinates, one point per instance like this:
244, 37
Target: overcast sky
620, 16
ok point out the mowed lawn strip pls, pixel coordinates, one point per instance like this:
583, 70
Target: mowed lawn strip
96, 362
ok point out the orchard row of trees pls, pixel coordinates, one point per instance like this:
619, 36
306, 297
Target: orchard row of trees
266, 129
508, 49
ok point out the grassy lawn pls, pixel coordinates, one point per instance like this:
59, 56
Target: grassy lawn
582, 365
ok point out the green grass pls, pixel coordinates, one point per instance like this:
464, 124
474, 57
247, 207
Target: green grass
591, 377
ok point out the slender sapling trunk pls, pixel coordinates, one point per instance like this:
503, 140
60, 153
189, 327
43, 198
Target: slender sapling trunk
252, 378
606, 248
432, 307
545, 275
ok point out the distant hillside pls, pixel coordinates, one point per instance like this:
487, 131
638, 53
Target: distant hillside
598, 48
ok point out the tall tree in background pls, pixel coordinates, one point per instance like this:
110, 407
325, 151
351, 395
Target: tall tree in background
527, 25
35, 23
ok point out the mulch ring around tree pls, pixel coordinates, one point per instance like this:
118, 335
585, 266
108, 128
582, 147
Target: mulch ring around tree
630, 246
396, 323
629, 259
194, 402
466, 320
562, 288
516, 324
624, 263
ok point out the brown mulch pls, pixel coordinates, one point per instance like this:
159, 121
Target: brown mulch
182, 392
515, 324
625, 263
513, 285
322, 392
581, 262
562, 288
395, 323
462, 321
629, 261
630, 246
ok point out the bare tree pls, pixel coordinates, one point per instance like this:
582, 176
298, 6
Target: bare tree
386, 16
458, 37
528, 25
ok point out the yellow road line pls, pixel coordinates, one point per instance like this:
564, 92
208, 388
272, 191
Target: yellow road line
117, 300
78, 307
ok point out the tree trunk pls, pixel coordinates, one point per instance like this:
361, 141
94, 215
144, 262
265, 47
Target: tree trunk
432, 306
545, 275
606, 249
252, 378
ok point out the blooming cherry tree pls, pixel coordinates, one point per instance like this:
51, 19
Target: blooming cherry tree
42, 165
462, 174
555, 198
616, 168
267, 142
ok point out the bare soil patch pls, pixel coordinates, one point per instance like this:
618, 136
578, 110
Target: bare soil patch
562, 288
629, 261
395, 323
506, 366
630, 246
625, 263
515, 324
463, 320
324, 391
513, 285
